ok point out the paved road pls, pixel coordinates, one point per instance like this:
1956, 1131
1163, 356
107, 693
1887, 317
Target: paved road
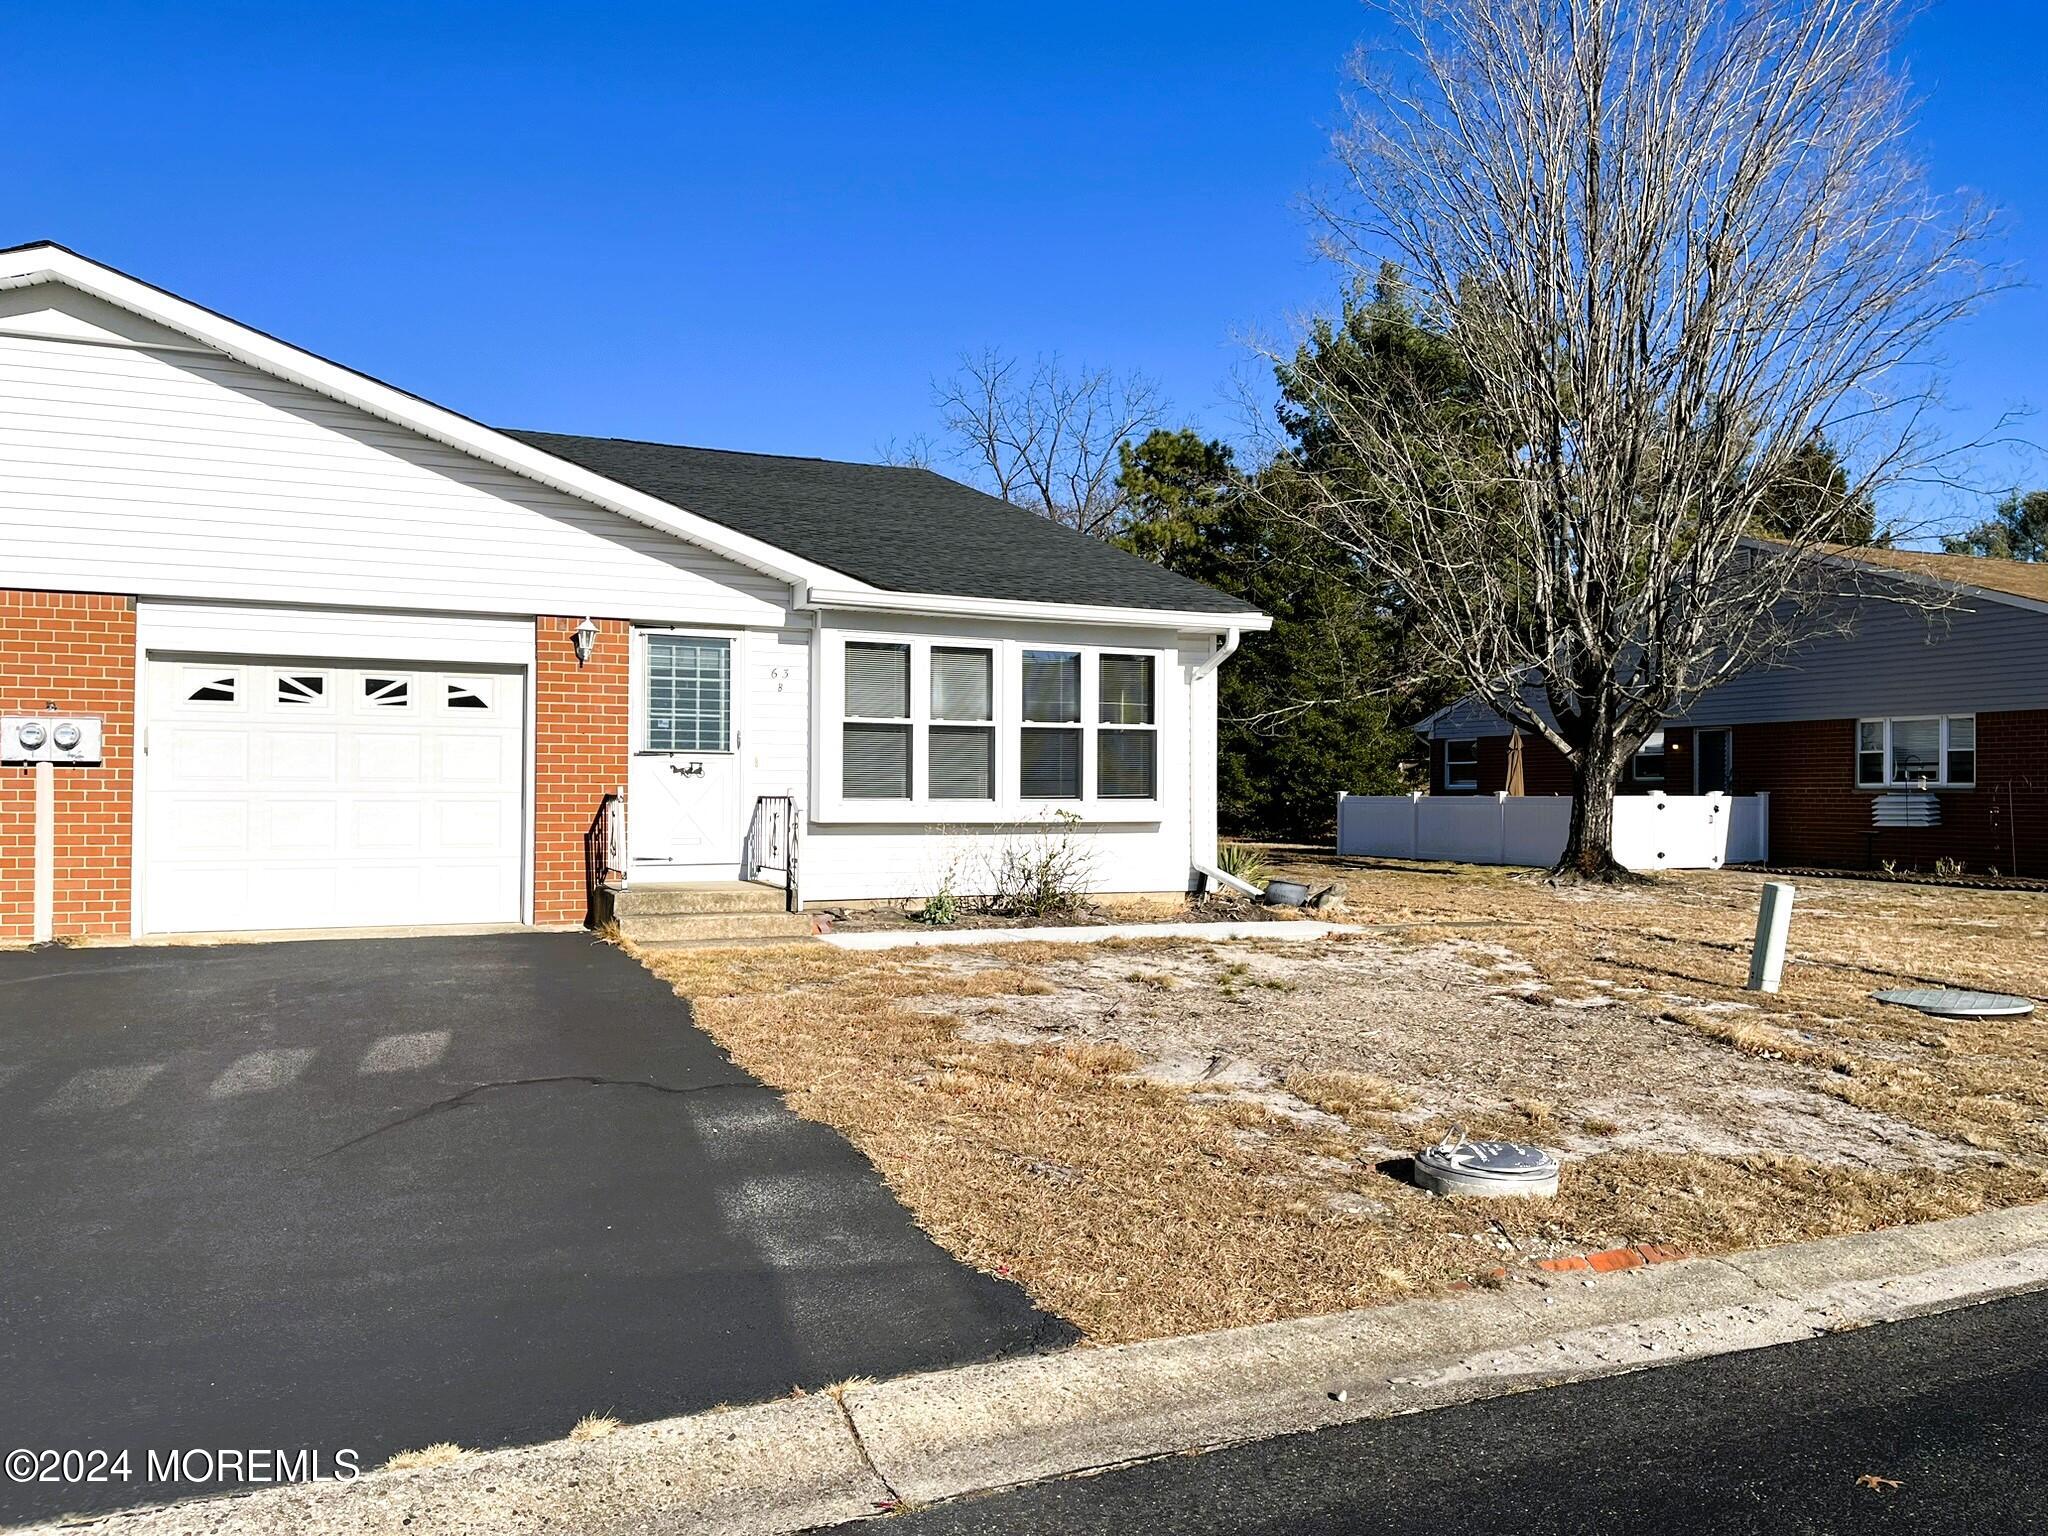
1954, 1408
372, 1195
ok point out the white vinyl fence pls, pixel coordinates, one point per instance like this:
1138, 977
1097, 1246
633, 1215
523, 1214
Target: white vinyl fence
1650, 831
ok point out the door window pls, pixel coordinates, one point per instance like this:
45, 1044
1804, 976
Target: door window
689, 694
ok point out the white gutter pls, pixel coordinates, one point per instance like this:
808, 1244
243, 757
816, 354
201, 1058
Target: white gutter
814, 598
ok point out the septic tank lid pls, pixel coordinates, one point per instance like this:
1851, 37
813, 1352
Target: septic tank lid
1954, 1003
1457, 1165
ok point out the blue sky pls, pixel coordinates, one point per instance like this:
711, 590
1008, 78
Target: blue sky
768, 227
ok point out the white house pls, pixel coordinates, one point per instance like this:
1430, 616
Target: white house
356, 660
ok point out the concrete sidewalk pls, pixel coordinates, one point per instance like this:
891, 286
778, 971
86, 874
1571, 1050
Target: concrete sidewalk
862, 1449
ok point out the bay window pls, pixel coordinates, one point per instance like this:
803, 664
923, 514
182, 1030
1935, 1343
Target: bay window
1939, 750
955, 728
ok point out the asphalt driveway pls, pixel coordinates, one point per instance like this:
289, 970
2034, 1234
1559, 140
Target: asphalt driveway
368, 1195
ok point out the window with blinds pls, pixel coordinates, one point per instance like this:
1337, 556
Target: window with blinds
1127, 745
1938, 750
1049, 751
875, 743
960, 755
689, 694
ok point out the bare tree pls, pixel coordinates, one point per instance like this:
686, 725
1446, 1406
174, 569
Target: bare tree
1663, 244
1046, 436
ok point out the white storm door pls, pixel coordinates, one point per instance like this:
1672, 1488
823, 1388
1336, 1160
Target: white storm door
683, 790
316, 794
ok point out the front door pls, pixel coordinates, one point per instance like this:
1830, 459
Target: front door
683, 792
1714, 763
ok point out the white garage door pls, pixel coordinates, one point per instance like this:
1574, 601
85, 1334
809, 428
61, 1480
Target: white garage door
287, 794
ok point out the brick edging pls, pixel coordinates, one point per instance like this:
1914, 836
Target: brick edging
1606, 1262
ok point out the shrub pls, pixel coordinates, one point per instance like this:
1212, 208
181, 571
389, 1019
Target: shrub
1040, 873
1243, 863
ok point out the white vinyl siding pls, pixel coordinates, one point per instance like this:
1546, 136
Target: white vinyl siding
1907, 750
177, 474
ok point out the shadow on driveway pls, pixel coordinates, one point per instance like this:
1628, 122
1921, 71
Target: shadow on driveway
368, 1195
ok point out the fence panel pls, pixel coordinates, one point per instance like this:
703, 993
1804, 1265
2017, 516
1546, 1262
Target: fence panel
1650, 831
1462, 828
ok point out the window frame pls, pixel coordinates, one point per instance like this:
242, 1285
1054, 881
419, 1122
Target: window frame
1662, 755
904, 724
1125, 727
1943, 751
989, 727
641, 681
1451, 783
1007, 804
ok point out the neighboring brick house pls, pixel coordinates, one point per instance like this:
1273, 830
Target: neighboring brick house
363, 662
1955, 699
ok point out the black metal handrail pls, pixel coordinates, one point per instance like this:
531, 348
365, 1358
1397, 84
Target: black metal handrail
772, 843
604, 853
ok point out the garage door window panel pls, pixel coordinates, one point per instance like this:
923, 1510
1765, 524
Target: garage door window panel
302, 690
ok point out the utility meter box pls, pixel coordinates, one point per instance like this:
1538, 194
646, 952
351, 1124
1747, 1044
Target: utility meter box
50, 739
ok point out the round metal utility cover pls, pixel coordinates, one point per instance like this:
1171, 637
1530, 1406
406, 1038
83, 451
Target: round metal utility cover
1494, 1168
1953, 1003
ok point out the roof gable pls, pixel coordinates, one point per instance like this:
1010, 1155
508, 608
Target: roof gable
858, 532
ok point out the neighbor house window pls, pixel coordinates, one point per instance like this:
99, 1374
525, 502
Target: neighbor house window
1049, 749
1649, 759
1127, 745
961, 754
1939, 750
876, 741
1461, 765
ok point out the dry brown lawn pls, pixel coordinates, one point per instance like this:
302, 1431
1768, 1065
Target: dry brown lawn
1165, 1137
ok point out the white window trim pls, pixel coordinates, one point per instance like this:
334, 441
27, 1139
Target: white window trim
640, 723
1942, 752
915, 727
1662, 754
1096, 725
1008, 806
1467, 783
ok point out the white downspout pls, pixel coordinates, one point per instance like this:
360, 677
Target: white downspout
1223, 653
1209, 872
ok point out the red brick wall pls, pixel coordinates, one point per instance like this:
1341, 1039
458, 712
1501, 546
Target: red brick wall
581, 750
1818, 816
1544, 769
77, 651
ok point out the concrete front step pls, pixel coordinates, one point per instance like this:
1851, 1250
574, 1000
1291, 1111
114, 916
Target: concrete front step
643, 928
699, 896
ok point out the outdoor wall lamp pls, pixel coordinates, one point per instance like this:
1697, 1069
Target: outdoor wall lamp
585, 637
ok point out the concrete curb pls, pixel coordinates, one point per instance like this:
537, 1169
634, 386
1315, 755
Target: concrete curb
786, 1466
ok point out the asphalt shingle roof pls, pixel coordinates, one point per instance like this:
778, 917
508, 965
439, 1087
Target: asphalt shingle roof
899, 529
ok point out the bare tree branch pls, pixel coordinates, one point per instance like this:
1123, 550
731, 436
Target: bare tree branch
1046, 437
1669, 243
